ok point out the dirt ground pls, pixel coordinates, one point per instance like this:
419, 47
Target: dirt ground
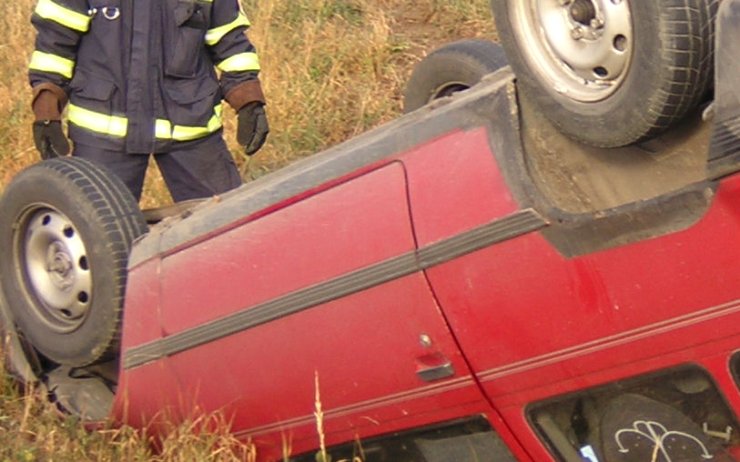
427, 28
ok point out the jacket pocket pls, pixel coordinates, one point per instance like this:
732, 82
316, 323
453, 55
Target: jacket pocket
91, 92
95, 105
191, 19
191, 101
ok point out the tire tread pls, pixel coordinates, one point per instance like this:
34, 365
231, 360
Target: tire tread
686, 29
116, 216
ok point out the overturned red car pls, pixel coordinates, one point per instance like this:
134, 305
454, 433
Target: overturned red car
467, 283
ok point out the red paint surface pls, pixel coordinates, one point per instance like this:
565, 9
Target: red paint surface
518, 321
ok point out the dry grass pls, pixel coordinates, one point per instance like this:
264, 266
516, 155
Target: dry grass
32, 429
347, 69
16, 144
331, 69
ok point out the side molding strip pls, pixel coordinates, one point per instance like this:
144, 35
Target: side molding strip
509, 227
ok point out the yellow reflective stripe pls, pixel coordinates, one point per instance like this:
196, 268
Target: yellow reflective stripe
164, 130
213, 36
97, 122
240, 62
47, 9
47, 62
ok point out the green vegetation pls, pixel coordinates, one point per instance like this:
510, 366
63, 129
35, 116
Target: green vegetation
331, 69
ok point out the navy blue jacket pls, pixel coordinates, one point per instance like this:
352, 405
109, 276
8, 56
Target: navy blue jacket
141, 74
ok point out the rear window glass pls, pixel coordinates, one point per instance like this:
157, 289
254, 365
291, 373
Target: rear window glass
470, 440
735, 368
675, 415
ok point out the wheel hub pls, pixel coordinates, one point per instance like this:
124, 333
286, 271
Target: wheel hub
59, 266
54, 259
583, 12
582, 48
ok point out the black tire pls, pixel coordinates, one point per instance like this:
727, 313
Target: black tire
641, 66
19, 359
451, 68
67, 227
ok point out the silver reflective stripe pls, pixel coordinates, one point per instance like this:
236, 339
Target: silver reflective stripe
240, 62
117, 126
213, 36
71, 19
47, 62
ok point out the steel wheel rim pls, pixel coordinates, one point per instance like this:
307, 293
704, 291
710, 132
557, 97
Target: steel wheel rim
581, 49
55, 268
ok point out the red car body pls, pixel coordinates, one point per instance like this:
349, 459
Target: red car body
420, 275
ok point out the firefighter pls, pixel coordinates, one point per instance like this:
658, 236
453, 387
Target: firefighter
142, 77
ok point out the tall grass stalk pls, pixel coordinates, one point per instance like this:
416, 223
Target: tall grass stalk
319, 417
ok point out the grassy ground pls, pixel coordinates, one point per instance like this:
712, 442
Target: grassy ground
31, 429
331, 69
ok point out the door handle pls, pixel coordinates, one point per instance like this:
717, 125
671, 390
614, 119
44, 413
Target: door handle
434, 366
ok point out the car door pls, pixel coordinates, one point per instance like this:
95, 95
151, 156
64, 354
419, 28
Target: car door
538, 325
320, 300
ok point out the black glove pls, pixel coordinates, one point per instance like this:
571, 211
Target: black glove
49, 139
252, 129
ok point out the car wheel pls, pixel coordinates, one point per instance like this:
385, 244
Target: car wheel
67, 226
610, 72
451, 68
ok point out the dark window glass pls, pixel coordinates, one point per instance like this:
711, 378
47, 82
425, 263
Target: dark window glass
675, 415
463, 441
735, 368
